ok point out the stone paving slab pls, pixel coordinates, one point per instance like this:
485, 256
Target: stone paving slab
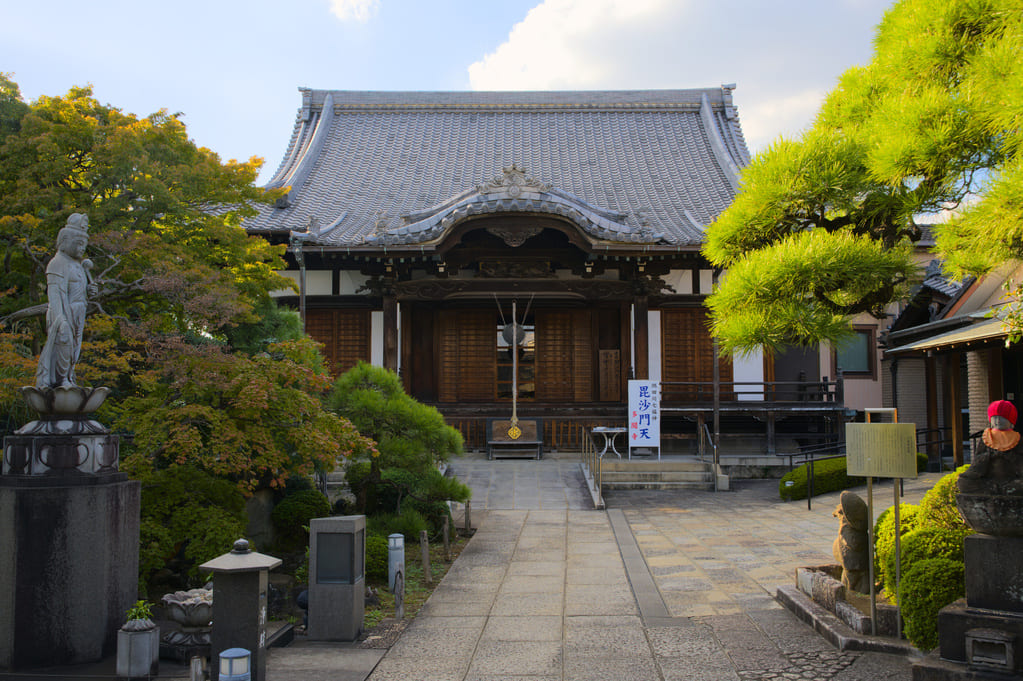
664, 586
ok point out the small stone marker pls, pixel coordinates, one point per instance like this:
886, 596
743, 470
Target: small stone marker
447, 540
424, 545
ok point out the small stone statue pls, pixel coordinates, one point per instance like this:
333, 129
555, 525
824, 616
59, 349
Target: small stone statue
850, 547
68, 287
997, 467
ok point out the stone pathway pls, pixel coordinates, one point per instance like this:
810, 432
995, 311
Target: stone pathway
664, 586
548, 484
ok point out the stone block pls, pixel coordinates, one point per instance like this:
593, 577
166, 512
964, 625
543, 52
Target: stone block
958, 621
68, 566
993, 576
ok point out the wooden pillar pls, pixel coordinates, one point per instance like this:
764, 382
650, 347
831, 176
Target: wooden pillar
952, 361
933, 425
390, 331
641, 335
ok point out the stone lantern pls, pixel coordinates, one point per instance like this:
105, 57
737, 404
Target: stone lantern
240, 583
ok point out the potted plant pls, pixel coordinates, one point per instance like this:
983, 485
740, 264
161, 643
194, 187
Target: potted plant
138, 643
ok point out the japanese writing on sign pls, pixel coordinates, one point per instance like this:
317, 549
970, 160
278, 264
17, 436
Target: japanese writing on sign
644, 414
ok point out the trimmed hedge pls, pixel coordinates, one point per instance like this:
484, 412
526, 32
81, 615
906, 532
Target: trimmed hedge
884, 537
829, 475
928, 586
922, 544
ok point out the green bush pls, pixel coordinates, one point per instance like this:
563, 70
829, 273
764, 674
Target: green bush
829, 475
409, 523
921, 544
939, 503
189, 513
292, 515
884, 536
426, 492
376, 557
927, 587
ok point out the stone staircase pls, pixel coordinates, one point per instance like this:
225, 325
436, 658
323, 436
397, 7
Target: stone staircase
626, 474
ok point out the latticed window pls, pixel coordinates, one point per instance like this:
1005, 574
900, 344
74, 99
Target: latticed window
345, 335
687, 355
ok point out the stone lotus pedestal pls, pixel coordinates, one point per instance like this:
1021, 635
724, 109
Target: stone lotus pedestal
69, 532
981, 636
186, 630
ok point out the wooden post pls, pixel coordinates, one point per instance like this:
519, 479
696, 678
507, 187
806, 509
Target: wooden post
424, 547
641, 335
390, 304
468, 522
447, 540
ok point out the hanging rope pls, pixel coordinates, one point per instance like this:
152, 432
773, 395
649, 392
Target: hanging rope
500, 311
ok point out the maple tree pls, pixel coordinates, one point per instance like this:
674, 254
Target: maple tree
179, 327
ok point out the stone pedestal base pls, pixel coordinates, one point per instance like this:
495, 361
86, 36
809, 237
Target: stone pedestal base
68, 567
981, 636
994, 580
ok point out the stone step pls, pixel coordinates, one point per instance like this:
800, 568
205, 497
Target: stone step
659, 485
654, 465
658, 476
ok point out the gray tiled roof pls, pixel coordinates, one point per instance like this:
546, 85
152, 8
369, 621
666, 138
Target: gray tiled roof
378, 168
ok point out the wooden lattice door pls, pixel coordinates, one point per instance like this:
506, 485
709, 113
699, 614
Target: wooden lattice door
564, 356
468, 356
345, 335
687, 355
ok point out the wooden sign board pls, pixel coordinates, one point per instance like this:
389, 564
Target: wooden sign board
881, 450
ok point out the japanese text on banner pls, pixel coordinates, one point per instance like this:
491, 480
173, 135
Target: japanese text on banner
644, 414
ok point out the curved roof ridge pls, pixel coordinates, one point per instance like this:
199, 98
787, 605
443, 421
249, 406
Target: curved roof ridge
728, 165
306, 155
369, 100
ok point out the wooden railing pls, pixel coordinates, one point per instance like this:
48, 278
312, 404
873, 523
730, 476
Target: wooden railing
779, 392
565, 433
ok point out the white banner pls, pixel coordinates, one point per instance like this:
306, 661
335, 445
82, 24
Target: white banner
645, 414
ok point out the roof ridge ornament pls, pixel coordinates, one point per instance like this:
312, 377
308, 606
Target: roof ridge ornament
512, 181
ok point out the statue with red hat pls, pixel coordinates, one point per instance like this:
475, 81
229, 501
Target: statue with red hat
997, 466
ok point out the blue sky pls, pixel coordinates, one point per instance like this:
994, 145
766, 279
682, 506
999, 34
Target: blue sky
234, 68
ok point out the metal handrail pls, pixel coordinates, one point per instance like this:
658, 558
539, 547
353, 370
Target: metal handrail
593, 462
714, 445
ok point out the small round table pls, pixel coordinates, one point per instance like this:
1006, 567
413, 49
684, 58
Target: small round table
609, 439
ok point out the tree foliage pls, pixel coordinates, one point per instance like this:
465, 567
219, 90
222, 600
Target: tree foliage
823, 226
205, 371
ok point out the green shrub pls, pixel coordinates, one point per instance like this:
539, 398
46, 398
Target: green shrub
409, 523
292, 515
927, 587
187, 512
376, 557
884, 536
828, 476
939, 503
921, 544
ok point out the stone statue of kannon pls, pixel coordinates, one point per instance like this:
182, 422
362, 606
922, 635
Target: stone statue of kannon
68, 288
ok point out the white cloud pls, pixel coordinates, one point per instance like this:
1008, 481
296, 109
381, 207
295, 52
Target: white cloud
767, 118
567, 44
354, 10
784, 56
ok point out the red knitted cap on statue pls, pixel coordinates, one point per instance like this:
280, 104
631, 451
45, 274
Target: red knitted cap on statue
1002, 408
